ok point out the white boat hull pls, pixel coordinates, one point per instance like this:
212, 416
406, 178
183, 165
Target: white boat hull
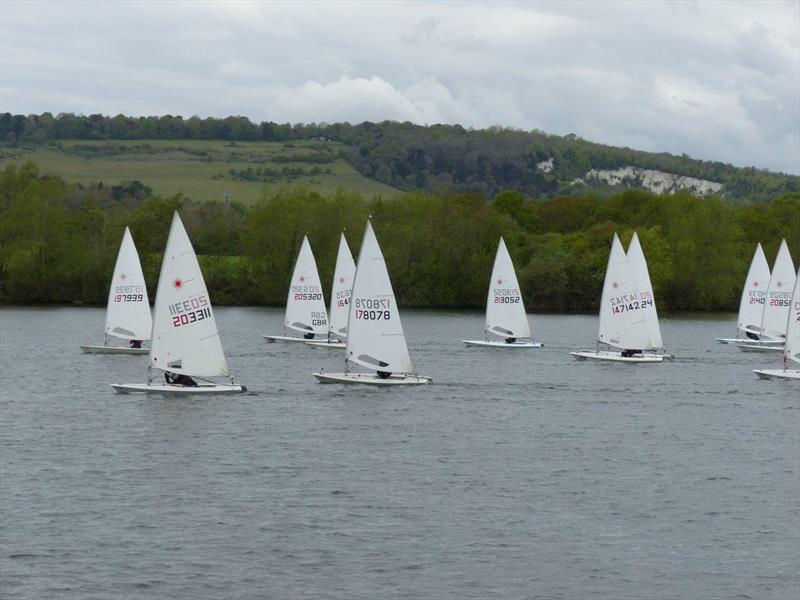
327, 344
500, 344
372, 379
777, 373
113, 350
617, 356
737, 341
170, 389
759, 348
288, 338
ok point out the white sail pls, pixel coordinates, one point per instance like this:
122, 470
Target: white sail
505, 312
341, 290
779, 294
791, 351
638, 266
185, 335
128, 312
375, 337
622, 318
754, 293
305, 305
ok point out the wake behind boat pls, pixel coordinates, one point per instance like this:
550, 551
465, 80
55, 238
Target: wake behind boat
305, 307
375, 337
628, 317
186, 342
128, 308
505, 312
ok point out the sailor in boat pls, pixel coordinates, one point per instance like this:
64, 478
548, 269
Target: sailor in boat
308, 336
179, 379
136, 343
751, 335
384, 374
627, 353
510, 340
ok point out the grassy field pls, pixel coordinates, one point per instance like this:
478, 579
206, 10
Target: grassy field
200, 170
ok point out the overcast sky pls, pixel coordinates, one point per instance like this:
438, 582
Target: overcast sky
716, 80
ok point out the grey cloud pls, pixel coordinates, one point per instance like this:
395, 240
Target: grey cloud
719, 81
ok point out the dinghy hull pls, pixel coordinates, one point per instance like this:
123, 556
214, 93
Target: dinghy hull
759, 348
327, 344
617, 357
113, 350
169, 389
372, 379
778, 373
271, 339
500, 344
737, 341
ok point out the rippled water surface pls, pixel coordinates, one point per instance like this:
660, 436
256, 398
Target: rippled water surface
516, 475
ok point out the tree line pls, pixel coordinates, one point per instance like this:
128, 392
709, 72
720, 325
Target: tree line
414, 157
58, 242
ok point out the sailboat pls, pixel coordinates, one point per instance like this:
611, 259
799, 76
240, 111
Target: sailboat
505, 311
375, 338
305, 305
341, 289
628, 320
776, 307
751, 306
791, 351
128, 309
186, 340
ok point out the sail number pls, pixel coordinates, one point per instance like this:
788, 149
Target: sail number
128, 293
634, 301
778, 302
757, 296
506, 296
306, 292
190, 311
635, 305
373, 309
306, 296
129, 298
342, 298
191, 317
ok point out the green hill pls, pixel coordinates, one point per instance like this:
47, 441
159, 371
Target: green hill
200, 169
203, 158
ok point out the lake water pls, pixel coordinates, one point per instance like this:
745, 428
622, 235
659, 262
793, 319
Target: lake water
516, 475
